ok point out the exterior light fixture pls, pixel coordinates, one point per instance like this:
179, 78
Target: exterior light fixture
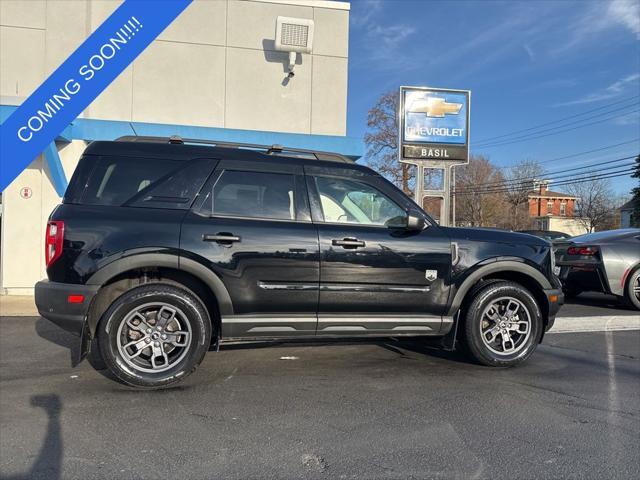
293, 35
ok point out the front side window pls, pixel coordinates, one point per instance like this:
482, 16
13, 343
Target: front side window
348, 201
254, 195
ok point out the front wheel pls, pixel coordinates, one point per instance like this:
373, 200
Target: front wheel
154, 335
502, 325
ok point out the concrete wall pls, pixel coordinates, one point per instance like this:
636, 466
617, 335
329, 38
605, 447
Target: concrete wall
214, 66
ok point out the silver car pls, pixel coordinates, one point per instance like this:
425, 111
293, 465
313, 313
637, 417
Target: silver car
607, 262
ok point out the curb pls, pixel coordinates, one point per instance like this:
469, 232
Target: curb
603, 323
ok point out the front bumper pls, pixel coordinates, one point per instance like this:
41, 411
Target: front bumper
52, 302
553, 306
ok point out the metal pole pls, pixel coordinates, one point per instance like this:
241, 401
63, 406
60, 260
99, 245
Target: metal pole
446, 200
419, 193
453, 196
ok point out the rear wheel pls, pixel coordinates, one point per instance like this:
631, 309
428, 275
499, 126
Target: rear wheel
632, 295
502, 325
154, 335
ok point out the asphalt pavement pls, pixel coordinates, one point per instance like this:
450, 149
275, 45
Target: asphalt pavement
592, 304
384, 409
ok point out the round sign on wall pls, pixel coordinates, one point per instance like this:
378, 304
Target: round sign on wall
26, 192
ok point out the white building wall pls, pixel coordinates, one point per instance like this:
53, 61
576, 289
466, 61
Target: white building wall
214, 66
570, 226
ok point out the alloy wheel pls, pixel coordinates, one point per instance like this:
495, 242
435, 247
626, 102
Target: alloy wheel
505, 326
154, 337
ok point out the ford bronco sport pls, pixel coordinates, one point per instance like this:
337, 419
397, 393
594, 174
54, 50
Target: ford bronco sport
165, 248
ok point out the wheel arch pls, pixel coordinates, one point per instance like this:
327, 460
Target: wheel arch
510, 270
129, 272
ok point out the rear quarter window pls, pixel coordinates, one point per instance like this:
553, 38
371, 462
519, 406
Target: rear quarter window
138, 182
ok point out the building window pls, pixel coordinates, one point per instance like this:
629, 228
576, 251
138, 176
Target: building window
563, 208
549, 207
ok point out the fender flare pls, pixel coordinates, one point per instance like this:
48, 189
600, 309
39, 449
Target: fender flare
166, 260
494, 267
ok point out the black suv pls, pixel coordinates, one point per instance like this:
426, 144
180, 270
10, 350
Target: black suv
164, 248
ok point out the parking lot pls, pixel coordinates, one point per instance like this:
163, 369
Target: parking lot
378, 409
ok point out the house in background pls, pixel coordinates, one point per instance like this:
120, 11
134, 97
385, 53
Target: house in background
626, 211
554, 211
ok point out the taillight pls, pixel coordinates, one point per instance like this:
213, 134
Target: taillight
584, 251
53, 241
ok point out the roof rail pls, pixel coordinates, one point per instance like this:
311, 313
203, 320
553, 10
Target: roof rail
269, 149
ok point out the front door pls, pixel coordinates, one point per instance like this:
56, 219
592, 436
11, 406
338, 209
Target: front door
376, 276
253, 230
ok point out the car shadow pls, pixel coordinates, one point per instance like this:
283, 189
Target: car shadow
48, 462
423, 346
54, 334
599, 300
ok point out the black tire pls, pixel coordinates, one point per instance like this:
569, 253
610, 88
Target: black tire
190, 322
474, 319
631, 294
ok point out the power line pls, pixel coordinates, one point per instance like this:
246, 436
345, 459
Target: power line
556, 132
483, 140
485, 143
558, 174
613, 174
559, 180
578, 154
573, 182
525, 188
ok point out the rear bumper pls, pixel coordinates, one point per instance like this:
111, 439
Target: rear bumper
584, 278
52, 302
553, 306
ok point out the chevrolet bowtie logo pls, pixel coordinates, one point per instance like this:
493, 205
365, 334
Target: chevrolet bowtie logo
434, 107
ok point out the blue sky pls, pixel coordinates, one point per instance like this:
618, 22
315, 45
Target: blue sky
526, 62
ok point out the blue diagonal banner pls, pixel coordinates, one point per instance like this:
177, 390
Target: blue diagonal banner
80, 79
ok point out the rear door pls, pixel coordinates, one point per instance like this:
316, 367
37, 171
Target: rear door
376, 277
253, 230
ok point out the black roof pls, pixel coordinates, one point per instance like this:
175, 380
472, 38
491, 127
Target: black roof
160, 147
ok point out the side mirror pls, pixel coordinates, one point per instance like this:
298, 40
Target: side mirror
415, 223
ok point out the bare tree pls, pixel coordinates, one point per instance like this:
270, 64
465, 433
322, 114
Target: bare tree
521, 179
381, 140
594, 205
475, 207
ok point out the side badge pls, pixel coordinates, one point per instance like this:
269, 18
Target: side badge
431, 275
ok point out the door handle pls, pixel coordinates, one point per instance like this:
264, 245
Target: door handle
222, 237
348, 243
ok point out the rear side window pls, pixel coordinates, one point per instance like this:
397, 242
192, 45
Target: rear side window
139, 182
254, 195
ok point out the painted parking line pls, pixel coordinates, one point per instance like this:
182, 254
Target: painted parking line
604, 323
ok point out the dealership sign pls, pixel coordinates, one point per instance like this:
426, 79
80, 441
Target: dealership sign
434, 125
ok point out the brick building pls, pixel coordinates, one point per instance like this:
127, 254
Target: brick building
543, 202
554, 211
